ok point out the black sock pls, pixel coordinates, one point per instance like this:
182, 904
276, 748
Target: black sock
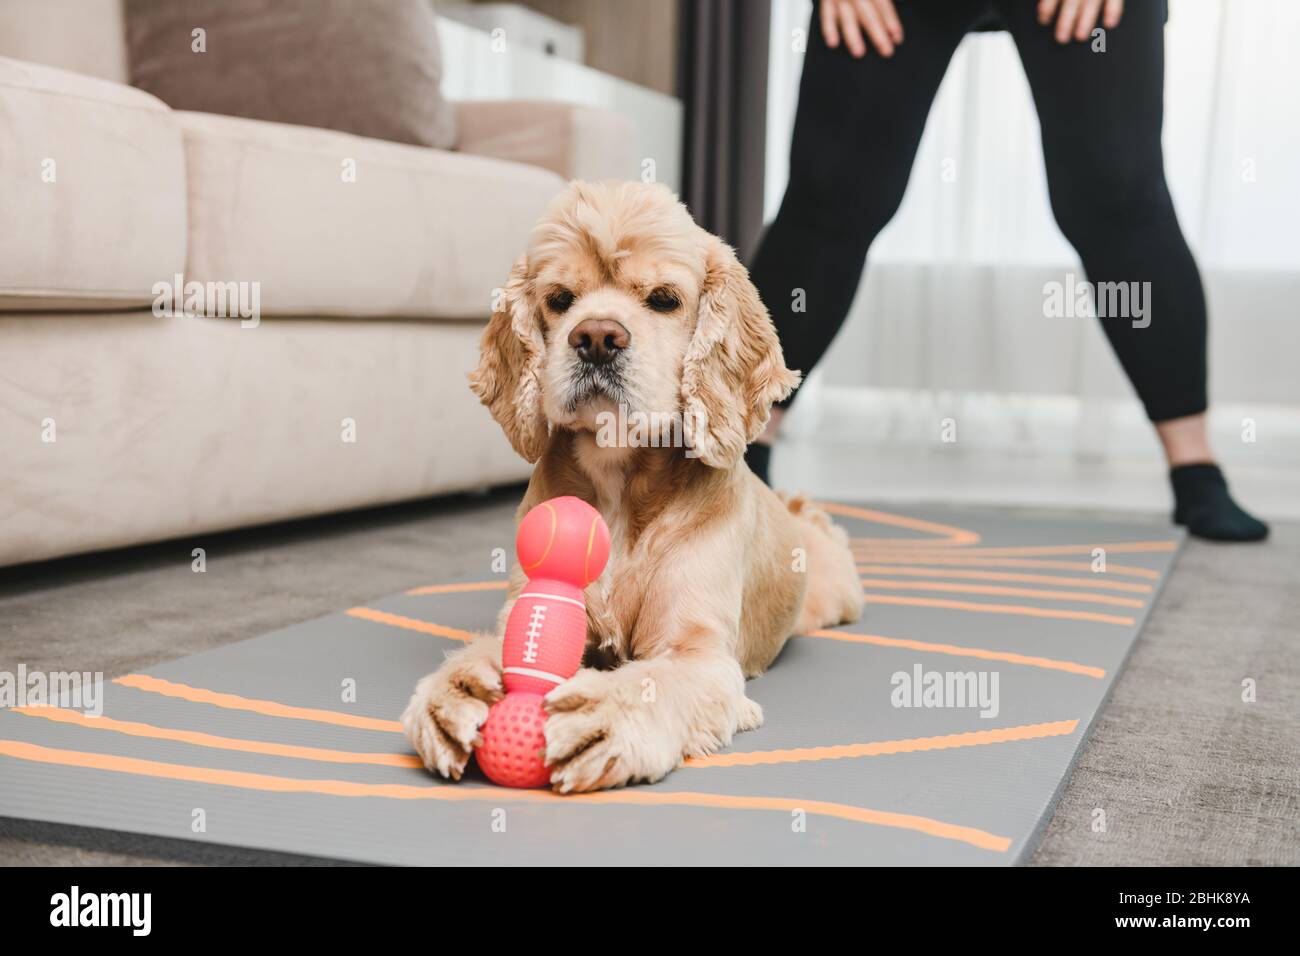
1203, 504
757, 457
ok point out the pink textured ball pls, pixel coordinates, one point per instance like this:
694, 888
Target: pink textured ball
513, 742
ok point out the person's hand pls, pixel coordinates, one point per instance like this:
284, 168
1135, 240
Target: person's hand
849, 18
1077, 17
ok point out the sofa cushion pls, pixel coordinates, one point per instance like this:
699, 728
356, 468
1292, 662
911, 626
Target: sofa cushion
330, 224
124, 428
93, 191
370, 67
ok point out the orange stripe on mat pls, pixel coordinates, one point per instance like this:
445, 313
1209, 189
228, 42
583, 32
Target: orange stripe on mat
456, 588
269, 708
949, 535
918, 559
325, 755
1092, 582
752, 758
1024, 610
410, 623
1047, 663
134, 729
882, 747
1126, 547
995, 591
397, 791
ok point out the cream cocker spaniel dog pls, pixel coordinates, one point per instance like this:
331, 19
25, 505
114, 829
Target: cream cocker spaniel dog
631, 360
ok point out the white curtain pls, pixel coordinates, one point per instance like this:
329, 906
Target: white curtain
953, 299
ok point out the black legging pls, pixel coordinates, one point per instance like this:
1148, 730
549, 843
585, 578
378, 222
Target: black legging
856, 134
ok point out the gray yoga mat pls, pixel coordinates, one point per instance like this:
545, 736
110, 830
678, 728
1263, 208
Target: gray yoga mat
288, 742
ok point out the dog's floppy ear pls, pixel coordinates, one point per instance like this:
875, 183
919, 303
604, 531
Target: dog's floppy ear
508, 379
734, 369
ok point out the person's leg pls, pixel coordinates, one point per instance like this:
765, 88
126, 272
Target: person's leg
1101, 115
1185, 440
856, 132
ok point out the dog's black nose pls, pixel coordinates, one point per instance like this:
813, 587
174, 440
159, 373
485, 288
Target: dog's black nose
598, 341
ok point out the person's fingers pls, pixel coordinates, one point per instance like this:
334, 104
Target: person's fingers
830, 31
874, 24
1114, 10
1046, 10
1088, 14
1065, 22
852, 34
892, 23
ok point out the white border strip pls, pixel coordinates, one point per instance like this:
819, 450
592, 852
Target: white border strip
553, 597
532, 672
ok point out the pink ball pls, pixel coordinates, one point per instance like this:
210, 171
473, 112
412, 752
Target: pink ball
513, 742
563, 539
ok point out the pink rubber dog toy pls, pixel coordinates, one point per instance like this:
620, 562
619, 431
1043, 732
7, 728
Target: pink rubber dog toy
562, 544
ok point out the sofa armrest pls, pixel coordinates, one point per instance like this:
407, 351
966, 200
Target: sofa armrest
577, 142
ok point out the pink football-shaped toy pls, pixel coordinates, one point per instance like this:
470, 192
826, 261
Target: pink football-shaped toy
562, 545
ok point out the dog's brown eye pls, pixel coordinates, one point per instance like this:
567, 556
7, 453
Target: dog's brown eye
560, 300
662, 300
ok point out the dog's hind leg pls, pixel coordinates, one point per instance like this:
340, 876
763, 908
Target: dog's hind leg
834, 594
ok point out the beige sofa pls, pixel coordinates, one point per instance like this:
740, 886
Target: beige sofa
120, 426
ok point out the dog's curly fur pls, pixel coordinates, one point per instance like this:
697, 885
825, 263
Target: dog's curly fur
710, 572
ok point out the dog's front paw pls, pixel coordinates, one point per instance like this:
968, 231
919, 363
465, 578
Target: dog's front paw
448, 707
598, 735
